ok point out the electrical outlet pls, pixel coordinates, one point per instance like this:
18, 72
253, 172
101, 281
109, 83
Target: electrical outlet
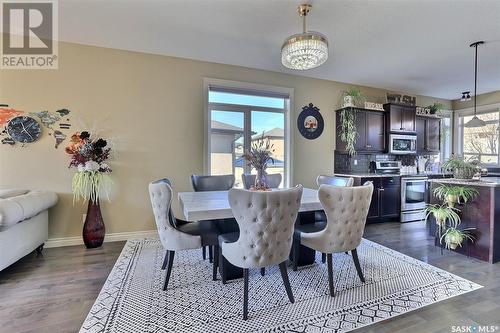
355, 162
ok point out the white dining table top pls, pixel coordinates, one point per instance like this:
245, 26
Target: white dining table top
211, 205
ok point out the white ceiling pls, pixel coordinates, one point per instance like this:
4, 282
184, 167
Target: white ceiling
417, 46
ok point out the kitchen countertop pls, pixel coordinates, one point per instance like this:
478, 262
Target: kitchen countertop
484, 181
373, 175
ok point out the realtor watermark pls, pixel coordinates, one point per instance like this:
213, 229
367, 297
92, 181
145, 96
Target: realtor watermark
30, 34
474, 328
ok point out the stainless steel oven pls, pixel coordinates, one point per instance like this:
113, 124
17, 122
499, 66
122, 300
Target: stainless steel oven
402, 144
413, 198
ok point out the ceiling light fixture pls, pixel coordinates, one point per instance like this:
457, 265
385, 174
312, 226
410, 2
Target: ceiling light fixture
465, 96
306, 50
475, 121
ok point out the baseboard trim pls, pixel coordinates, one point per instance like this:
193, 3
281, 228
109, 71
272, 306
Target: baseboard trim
112, 237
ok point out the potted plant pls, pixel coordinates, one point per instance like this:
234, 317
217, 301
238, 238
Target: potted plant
90, 182
461, 169
443, 214
258, 158
348, 130
453, 194
351, 97
454, 237
436, 108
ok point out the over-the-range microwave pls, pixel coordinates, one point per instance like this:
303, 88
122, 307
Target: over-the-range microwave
402, 144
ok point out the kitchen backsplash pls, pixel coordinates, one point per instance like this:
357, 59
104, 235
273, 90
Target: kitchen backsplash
361, 163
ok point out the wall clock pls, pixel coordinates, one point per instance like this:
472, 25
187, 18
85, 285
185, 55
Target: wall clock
310, 122
24, 129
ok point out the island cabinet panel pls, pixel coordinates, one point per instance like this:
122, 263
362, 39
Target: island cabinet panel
428, 135
483, 215
370, 126
400, 118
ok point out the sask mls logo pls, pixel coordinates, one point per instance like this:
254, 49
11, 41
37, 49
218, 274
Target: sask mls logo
29, 35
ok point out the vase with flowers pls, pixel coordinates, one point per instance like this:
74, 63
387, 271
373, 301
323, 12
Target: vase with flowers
90, 182
258, 157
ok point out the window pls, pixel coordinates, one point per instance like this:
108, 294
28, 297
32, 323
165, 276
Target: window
446, 136
237, 118
479, 142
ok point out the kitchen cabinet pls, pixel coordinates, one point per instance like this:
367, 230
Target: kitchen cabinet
400, 118
370, 126
385, 204
428, 135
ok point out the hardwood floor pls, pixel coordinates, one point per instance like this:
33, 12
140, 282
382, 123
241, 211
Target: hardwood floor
53, 293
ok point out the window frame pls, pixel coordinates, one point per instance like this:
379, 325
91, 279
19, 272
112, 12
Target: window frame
258, 89
458, 131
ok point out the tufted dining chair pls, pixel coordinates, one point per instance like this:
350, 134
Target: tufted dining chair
203, 183
346, 209
186, 236
334, 180
266, 222
320, 216
273, 180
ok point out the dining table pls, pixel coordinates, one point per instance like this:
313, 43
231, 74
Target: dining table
214, 206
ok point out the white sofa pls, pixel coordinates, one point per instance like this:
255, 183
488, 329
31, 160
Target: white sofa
24, 223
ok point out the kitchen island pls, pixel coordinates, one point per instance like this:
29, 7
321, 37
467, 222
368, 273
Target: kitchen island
482, 214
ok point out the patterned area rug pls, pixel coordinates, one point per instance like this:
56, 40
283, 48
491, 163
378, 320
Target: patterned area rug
132, 299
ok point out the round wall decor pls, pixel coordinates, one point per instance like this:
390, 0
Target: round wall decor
310, 122
24, 129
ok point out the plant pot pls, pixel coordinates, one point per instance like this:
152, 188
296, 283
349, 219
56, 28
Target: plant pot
93, 229
451, 200
348, 101
463, 173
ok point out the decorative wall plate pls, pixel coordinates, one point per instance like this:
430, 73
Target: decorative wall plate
24, 129
310, 122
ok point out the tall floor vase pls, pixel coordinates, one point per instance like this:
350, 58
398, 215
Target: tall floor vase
93, 229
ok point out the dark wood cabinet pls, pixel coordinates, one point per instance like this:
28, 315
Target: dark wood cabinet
400, 117
428, 135
371, 131
385, 204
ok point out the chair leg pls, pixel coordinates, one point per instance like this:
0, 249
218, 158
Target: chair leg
39, 250
216, 262
204, 253
295, 255
169, 268
323, 258
210, 254
165, 260
286, 281
358, 266
263, 271
245, 293
330, 273
222, 267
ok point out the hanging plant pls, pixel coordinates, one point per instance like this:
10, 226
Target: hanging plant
454, 238
348, 131
453, 195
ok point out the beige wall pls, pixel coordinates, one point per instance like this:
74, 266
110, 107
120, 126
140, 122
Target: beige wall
152, 107
483, 99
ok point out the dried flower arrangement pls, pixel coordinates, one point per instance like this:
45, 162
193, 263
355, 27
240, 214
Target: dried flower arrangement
258, 157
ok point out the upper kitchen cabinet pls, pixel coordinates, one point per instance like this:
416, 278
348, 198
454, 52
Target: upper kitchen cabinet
428, 135
370, 126
400, 117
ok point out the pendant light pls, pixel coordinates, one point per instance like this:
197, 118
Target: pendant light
475, 121
306, 50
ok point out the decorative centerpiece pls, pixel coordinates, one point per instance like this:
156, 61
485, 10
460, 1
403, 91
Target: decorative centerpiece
91, 180
352, 97
258, 157
461, 168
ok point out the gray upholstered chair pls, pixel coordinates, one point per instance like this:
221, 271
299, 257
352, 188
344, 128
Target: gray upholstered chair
320, 216
273, 180
334, 180
192, 235
266, 222
346, 210
202, 183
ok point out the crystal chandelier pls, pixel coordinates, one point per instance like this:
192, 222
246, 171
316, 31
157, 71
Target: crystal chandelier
306, 50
